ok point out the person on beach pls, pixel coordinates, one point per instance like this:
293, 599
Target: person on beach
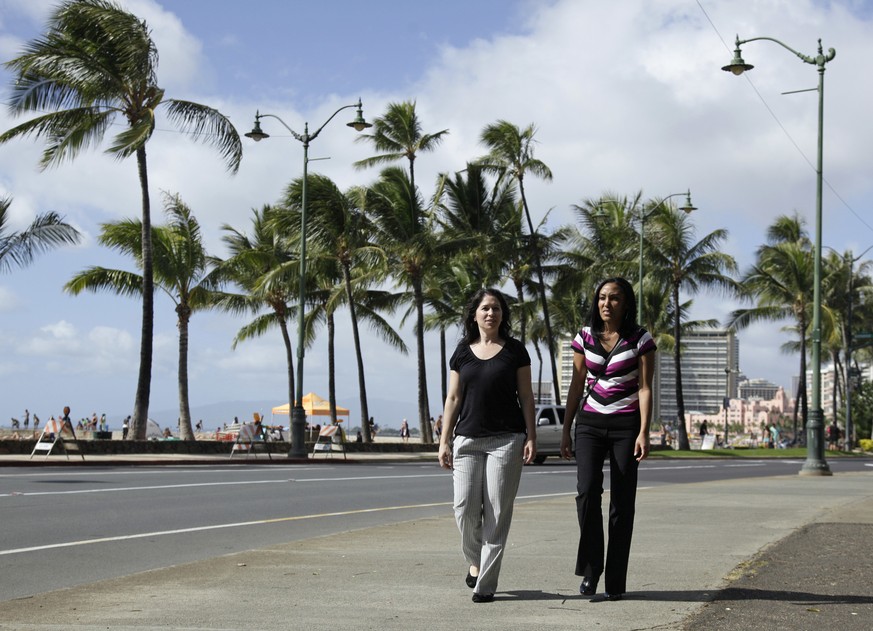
488, 434
611, 389
404, 431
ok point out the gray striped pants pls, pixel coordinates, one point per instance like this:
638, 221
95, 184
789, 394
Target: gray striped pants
486, 473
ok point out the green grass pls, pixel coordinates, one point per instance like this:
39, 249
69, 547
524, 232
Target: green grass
794, 452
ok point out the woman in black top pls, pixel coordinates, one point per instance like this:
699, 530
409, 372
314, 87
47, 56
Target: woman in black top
488, 434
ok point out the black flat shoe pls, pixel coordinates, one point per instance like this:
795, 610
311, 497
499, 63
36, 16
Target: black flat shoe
613, 597
471, 580
588, 586
483, 598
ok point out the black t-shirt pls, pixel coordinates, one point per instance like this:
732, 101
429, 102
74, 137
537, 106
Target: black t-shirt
489, 390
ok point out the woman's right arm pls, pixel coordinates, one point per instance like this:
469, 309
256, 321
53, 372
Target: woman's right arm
577, 388
450, 415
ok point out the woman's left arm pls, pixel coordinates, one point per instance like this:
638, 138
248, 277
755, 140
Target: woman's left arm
647, 370
526, 400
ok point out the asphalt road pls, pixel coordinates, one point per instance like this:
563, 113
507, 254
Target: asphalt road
64, 527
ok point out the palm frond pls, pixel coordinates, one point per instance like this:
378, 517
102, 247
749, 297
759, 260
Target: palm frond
98, 279
208, 125
47, 231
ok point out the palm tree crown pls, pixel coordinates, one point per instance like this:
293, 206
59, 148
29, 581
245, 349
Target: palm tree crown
18, 249
398, 134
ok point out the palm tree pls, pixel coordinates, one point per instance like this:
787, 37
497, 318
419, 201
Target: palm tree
94, 62
842, 312
686, 265
264, 267
835, 299
323, 275
48, 230
340, 232
511, 155
410, 248
180, 266
398, 134
780, 282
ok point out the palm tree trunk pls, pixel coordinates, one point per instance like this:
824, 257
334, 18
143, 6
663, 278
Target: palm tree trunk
836, 360
801, 389
677, 365
423, 406
538, 395
359, 356
139, 422
542, 290
185, 430
522, 317
444, 377
331, 367
289, 356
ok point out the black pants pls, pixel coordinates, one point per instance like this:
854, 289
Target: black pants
593, 444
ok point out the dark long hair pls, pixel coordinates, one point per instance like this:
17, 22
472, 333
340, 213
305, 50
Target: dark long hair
629, 321
471, 329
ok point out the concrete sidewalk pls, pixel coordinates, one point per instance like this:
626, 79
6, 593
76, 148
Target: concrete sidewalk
690, 542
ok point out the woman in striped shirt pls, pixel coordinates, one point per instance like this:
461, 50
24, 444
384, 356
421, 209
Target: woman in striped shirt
611, 389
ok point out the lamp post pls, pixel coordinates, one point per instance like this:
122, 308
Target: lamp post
298, 414
688, 208
727, 398
815, 463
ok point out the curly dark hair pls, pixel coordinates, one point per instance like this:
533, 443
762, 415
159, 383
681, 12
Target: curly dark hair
471, 329
629, 321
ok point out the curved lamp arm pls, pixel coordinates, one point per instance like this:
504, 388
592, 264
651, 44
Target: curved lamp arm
819, 60
359, 124
738, 66
688, 207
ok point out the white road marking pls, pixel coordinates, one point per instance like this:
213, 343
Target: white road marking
207, 484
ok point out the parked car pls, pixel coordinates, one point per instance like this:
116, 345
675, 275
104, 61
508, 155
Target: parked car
550, 425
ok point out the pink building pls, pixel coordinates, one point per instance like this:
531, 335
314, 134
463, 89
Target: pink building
749, 415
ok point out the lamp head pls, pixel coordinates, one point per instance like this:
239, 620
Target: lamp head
737, 65
688, 207
600, 212
257, 134
359, 123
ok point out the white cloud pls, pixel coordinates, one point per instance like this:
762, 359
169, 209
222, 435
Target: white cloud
8, 299
101, 350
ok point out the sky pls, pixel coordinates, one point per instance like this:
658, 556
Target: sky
626, 97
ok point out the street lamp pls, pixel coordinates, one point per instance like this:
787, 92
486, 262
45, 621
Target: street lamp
727, 398
688, 208
815, 463
298, 414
